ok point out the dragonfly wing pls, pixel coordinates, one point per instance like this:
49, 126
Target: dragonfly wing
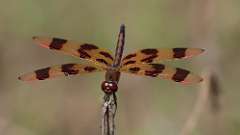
161, 71
59, 70
154, 55
85, 51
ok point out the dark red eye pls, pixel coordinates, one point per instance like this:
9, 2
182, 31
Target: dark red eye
109, 86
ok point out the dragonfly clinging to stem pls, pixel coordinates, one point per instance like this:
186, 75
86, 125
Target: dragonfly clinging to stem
143, 62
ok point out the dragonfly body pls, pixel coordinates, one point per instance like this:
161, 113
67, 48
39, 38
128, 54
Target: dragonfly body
113, 73
144, 62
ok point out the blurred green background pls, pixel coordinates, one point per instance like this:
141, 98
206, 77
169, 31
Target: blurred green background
72, 105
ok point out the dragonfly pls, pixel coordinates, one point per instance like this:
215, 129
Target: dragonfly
143, 62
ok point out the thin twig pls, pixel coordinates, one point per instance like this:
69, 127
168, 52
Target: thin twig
109, 108
203, 35
199, 107
208, 92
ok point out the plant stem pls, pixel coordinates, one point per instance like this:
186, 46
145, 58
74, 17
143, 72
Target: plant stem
109, 108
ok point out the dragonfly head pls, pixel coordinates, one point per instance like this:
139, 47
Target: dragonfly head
109, 86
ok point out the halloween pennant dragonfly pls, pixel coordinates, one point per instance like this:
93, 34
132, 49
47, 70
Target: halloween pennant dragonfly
142, 62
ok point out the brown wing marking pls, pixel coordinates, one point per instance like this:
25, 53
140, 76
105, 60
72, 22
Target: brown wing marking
59, 70
154, 55
161, 71
81, 50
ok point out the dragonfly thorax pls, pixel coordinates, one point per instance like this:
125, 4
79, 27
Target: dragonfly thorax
112, 74
109, 86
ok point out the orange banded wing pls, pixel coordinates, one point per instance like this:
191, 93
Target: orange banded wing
154, 55
159, 70
85, 51
59, 70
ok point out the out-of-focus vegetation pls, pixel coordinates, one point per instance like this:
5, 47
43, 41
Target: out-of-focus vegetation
72, 106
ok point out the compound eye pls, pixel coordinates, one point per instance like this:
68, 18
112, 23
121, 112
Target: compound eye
109, 86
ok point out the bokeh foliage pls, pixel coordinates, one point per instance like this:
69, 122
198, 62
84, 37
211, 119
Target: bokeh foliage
72, 106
